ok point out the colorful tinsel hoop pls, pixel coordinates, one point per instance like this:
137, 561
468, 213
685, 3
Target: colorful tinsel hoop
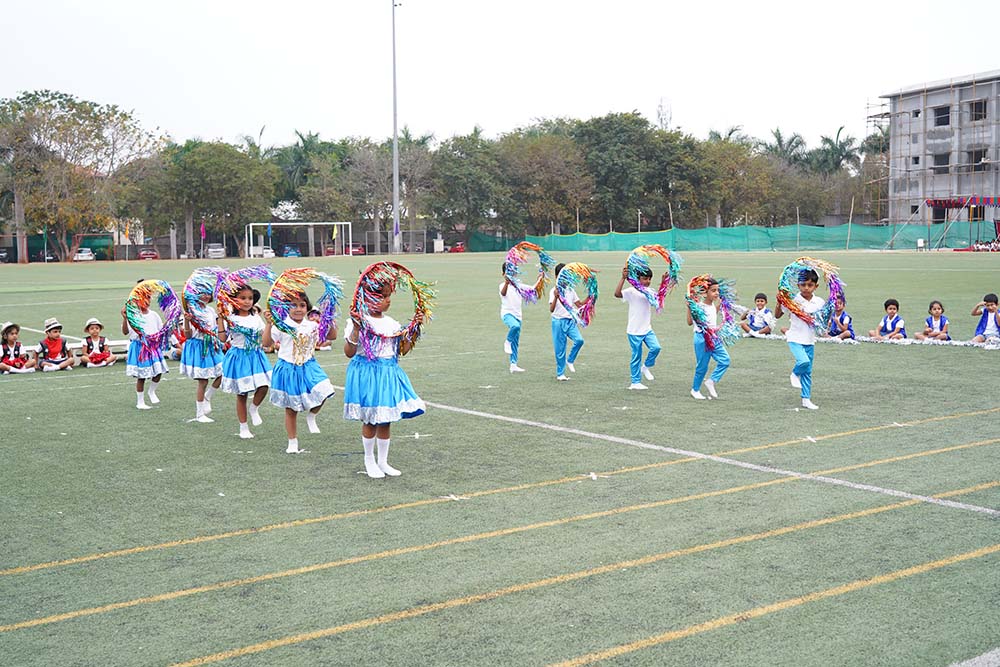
573, 274
368, 293
140, 297
203, 282
788, 290
235, 281
292, 283
726, 333
517, 256
638, 261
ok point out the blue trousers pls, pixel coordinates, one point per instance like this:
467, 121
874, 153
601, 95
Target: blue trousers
702, 356
803, 366
563, 330
513, 335
635, 342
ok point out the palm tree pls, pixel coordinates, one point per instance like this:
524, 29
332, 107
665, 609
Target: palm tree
791, 150
733, 134
835, 154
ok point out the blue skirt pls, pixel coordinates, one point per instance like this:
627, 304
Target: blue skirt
199, 363
147, 368
379, 392
300, 388
244, 371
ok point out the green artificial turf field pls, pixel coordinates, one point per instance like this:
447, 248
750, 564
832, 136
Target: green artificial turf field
536, 522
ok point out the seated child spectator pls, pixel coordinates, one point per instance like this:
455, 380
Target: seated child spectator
177, 340
936, 325
840, 324
13, 357
892, 325
989, 319
95, 351
52, 353
757, 322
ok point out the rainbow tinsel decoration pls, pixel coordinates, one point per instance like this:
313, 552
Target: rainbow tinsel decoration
728, 331
573, 274
638, 260
517, 256
294, 282
203, 282
233, 283
788, 290
140, 297
368, 293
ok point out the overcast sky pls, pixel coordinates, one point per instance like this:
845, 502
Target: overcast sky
220, 69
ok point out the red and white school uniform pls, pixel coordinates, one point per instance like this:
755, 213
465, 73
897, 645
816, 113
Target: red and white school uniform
97, 351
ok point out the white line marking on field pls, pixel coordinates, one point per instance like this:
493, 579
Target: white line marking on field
991, 659
727, 461
59, 303
65, 335
810, 438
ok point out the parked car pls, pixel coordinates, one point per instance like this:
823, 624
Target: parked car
215, 251
355, 249
291, 251
458, 247
148, 253
267, 252
4, 257
330, 251
43, 256
84, 255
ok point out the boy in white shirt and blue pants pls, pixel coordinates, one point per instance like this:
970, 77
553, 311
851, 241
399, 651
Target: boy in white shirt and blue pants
510, 314
801, 337
639, 329
564, 328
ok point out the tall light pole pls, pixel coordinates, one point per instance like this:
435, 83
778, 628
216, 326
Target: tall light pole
395, 143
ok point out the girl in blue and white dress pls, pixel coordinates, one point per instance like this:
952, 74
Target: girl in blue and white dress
245, 368
377, 391
144, 365
298, 384
201, 359
936, 325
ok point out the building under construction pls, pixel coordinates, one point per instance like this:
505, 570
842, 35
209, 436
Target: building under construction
944, 147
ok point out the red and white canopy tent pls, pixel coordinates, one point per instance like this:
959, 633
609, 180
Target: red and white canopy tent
960, 202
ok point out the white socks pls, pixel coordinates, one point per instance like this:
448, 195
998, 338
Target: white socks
371, 467
152, 393
383, 454
245, 431
311, 422
254, 413
293, 446
140, 401
209, 391
202, 409
48, 368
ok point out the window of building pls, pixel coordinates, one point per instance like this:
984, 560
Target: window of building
915, 160
976, 158
942, 116
916, 113
938, 214
913, 209
977, 110
977, 213
914, 138
941, 163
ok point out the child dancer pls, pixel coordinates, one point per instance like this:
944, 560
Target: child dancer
245, 368
892, 325
936, 324
703, 313
298, 384
510, 314
13, 357
639, 329
801, 336
52, 353
989, 319
757, 322
377, 391
143, 364
840, 324
95, 351
201, 358
564, 328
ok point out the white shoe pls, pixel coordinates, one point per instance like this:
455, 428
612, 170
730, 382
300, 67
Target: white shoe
246, 435
153, 398
507, 348
514, 368
48, 368
142, 406
794, 379
207, 407
204, 419
290, 450
372, 469
646, 373
711, 388
570, 367
756, 334
637, 385
389, 470
562, 378
697, 394
809, 405
255, 418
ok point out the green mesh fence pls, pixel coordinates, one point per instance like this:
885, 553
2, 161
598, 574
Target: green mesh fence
843, 237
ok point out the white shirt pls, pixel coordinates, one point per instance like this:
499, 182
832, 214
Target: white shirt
991, 326
252, 322
639, 312
210, 322
510, 304
151, 323
761, 317
306, 335
384, 326
560, 312
711, 316
798, 331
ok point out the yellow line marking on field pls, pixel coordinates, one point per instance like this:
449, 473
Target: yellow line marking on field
550, 581
24, 569
789, 603
390, 553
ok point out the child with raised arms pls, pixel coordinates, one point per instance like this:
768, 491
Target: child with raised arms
144, 364
564, 328
707, 305
639, 328
201, 358
245, 368
801, 337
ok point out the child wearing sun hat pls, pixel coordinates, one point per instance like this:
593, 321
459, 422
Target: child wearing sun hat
52, 353
95, 351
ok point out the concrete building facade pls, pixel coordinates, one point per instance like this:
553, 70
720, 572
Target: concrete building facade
944, 144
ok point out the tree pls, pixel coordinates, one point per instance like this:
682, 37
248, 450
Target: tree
414, 173
739, 185
791, 149
468, 190
835, 154
368, 181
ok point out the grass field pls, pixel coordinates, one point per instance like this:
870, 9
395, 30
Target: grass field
535, 522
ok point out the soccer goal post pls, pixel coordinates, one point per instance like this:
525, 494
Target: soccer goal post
309, 238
